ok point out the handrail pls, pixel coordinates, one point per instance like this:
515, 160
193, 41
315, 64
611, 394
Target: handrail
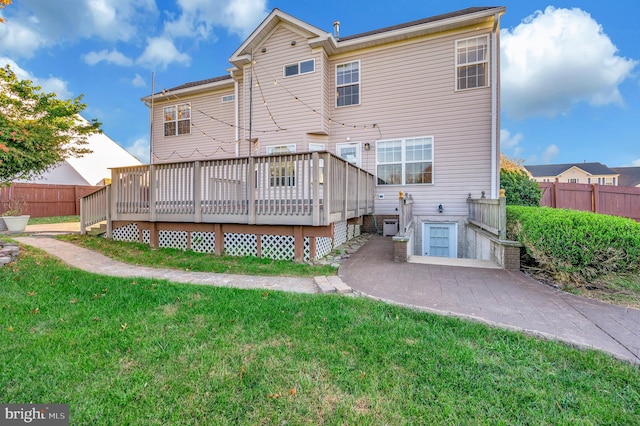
489, 214
94, 208
313, 188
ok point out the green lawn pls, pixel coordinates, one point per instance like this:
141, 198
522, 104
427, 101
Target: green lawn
53, 219
123, 351
142, 254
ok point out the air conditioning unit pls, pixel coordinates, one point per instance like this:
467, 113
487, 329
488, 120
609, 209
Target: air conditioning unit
390, 227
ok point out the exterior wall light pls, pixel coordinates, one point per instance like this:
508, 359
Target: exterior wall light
440, 208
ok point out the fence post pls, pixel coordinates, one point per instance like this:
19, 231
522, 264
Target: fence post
555, 195
595, 202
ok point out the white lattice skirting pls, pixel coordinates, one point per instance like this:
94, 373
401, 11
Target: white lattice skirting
279, 247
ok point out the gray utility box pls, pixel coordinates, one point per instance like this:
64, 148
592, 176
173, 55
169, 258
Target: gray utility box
390, 227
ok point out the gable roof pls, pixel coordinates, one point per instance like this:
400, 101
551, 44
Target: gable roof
558, 169
90, 169
629, 176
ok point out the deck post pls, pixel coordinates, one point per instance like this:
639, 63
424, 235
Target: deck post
197, 192
328, 196
108, 205
345, 189
298, 243
83, 219
315, 190
251, 190
152, 193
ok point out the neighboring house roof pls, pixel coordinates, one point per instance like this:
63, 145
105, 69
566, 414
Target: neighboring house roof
558, 169
90, 169
629, 176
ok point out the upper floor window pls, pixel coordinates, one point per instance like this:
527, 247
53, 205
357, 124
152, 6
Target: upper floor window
228, 98
303, 67
472, 63
405, 161
348, 84
177, 120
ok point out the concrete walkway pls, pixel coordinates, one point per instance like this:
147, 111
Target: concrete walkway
97, 263
507, 299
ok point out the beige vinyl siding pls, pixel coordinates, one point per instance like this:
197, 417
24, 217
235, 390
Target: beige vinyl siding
279, 92
409, 91
200, 144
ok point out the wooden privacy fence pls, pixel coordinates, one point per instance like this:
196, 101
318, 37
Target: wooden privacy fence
44, 200
612, 200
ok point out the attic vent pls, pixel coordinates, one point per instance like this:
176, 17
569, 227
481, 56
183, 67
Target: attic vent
336, 29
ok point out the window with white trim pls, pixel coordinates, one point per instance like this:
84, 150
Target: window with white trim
228, 98
348, 84
303, 67
282, 173
472, 63
406, 161
177, 120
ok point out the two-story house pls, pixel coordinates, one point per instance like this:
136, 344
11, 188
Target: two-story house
574, 173
414, 106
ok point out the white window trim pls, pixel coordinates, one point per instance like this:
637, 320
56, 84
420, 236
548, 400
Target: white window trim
488, 62
403, 160
316, 147
350, 84
227, 98
358, 147
177, 119
291, 147
284, 68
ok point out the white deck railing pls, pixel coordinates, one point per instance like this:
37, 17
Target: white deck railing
489, 214
314, 189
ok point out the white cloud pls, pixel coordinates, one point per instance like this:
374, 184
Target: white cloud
550, 153
110, 56
19, 40
507, 140
34, 24
138, 81
636, 163
198, 17
556, 59
49, 85
140, 149
160, 52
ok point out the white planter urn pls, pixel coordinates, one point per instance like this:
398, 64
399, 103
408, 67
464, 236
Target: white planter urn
16, 223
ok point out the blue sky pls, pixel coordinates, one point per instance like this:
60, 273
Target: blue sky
570, 72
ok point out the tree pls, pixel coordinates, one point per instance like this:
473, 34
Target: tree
520, 189
37, 130
3, 4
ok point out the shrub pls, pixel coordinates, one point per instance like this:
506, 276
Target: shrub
520, 190
574, 245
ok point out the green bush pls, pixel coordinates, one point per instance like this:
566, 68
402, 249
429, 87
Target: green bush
520, 190
574, 245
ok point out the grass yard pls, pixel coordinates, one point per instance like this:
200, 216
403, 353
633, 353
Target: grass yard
53, 219
144, 352
142, 254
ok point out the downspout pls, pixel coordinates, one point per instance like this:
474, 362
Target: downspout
494, 106
237, 123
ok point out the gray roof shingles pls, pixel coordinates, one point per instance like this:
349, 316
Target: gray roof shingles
557, 169
629, 176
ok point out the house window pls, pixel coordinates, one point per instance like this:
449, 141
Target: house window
177, 120
348, 84
573, 180
303, 67
405, 161
282, 172
472, 63
228, 98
